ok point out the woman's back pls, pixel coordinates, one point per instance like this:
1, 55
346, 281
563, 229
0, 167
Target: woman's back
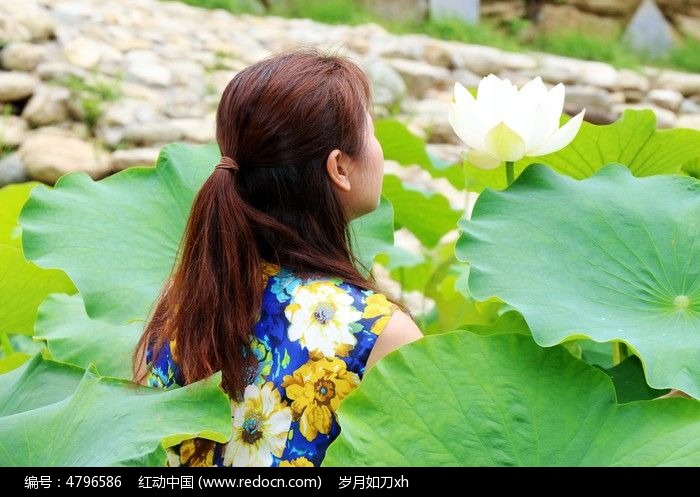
311, 341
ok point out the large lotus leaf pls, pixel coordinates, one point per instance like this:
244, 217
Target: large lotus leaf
72, 337
458, 399
612, 257
426, 214
59, 415
12, 360
629, 381
36, 384
12, 198
692, 168
633, 140
23, 286
402, 146
373, 234
117, 238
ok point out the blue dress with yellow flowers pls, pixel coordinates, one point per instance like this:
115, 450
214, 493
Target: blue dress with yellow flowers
312, 341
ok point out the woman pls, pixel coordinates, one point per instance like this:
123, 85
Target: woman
266, 289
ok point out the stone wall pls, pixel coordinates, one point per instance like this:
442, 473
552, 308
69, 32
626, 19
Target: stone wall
98, 86
604, 18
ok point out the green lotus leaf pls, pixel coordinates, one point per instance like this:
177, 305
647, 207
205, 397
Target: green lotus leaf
12, 198
629, 381
117, 238
36, 384
612, 257
23, 286
373, 233
11, 361
426, 214
72, 337
54, 414
633, 140
692, 168
402, 146
458, 399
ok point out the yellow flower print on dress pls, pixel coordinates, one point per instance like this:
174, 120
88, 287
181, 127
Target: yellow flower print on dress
261, 424
316, 389
320, 316
299, 462
197, 452
378, 305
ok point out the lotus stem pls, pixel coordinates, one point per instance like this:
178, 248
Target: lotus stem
619, 353
510, 173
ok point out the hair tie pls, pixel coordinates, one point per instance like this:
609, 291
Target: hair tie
227, 163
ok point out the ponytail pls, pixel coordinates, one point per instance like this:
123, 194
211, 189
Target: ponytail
211, 304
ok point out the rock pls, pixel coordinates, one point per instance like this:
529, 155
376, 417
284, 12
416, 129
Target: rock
691, 121
431, 115
145, 66
196, 130
47, 155
446, 152
187, 73
151, 133
631, 80
594, 115
419, 76
12, 130
518, 62
668, 99
599, 74
403, 47
184, 103
467, 78
634, 96
557, 19
155, 75
689, 26
388, 88
689, 107
122, 159
12, 170
478, 59
557, 69
439, 53
400, 10
142, 92
82, 52
15, 85
24, 20
60, 70
616, 8
47, 106
111, 136
617, 97
686, 83
128, 111
21, 56
649, 32
467, 11
664, 117
587, 96
503, 11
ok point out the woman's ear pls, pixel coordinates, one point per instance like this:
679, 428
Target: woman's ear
338, 170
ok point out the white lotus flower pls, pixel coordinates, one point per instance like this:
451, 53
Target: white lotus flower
504, 124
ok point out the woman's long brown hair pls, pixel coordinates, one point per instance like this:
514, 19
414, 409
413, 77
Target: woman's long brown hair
279, 119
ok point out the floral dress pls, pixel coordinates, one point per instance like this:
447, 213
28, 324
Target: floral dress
312, 342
